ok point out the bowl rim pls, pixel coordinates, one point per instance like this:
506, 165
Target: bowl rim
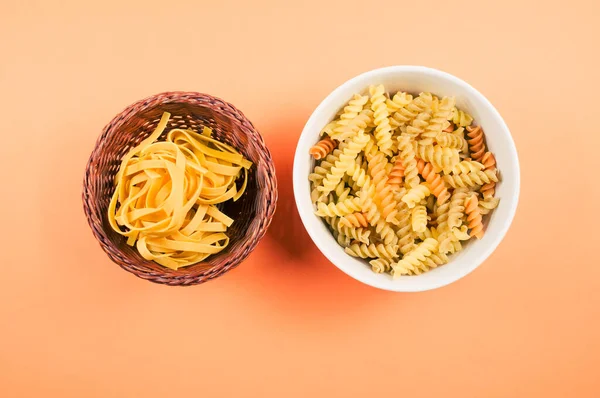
300, 177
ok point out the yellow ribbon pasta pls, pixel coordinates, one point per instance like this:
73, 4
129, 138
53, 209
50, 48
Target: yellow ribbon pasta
167, 191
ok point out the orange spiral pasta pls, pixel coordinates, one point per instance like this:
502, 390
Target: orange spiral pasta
433, 179
354, 220
473, 213
322, 148
476, 142
396, 174
489, 163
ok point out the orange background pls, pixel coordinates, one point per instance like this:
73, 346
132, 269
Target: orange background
287, 322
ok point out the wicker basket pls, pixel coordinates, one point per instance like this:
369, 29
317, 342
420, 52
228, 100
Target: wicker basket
253, 212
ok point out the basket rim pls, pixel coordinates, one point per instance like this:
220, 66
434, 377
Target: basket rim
268, 196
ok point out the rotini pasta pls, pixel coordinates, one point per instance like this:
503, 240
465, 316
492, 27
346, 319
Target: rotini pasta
383, 130
460, 118
471, 179
474, 216
372, 251
415, 257
322, 148
434, 182
399, 184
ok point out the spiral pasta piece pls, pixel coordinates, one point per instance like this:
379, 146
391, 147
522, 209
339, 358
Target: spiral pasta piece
398, 101
434, 181
439, 120
405, 115
457, 207
360, 234
476, 142
339, 209
372, 251
474, 216
322, 148
467, 166
471, 179
407, 156
461, 118
380, 265
489, 163
488, 204
347, 157
383, 131
450, 140
355, 105
415, 257
373, 215
415, 195
419, 218
406, 236
419, 124
441, 158
384, 197
396, 174
355, 220
362, 121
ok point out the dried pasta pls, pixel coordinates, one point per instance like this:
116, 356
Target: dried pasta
167, 192
400, 182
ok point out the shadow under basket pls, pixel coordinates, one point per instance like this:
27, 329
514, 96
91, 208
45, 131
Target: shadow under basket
252, 213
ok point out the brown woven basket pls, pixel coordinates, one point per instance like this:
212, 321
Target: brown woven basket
252, 212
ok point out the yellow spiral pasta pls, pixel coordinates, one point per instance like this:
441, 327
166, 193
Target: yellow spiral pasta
415, 195
340, 209
345, 161
360, 234
383, 131
467, 166
380, 265
407, 156
372, 251
471, 179
441, 158
362, 121
419, 218
415, 257
398, 101
355, 220
450, 140
457, 207
439, 120
405, 115
461, 118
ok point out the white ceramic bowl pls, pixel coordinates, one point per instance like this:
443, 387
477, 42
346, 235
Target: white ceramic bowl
414, 79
